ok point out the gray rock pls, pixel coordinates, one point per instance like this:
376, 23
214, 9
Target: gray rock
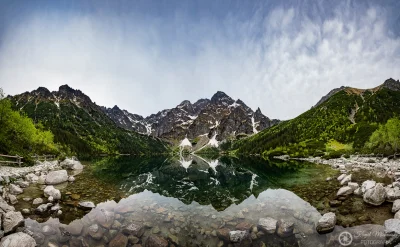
18, 239
12, 220
13, 199
87, 205
71, 164
22, 184
26, 211
392, 232
37, 201
51, 191
48, 230
376, 195
133, 229
75, 227
326, 223
56, 177
43, 208
347, 190
392, 194
366, 185
353, 186
396, 206
32, 178
15, 189
284, 228
267, 225
237, 236
156, 241
345, 180
71, 179
358, 192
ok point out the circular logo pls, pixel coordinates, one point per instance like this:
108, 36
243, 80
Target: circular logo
345, 238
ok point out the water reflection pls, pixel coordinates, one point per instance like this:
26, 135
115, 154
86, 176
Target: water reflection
218, 182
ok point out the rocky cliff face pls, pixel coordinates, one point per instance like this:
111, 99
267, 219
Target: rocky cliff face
218, 118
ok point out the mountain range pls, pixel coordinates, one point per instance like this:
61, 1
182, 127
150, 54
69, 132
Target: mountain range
86, 127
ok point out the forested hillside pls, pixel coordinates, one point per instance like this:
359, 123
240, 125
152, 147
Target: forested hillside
344, 121
80, 124
20, 136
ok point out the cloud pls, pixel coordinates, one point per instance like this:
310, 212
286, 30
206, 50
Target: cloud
280, 58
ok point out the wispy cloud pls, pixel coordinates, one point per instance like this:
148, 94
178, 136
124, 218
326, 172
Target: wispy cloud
281, 58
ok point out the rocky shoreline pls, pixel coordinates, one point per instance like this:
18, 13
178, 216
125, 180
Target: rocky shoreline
14, 180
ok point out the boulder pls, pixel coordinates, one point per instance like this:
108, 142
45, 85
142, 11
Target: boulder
22, 184
353, 186
71, 179
392, 194
345, 180
13, 199
15, 189
133, 229
284, 228
12, 220
32, 178
341, 177
237, 236
267, 225
56, 177
358, 192
87, 205
155, 241
43, 208
392, 232
376, 195
326, 223
37, 201
75, 227
42, 179
71, 164
366, 185
53, 192
96, 232
18, 239
346, 190
119, 241
396, 206
223, 234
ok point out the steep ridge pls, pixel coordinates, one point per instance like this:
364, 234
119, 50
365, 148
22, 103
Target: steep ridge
213, 120
80, 124
348, 115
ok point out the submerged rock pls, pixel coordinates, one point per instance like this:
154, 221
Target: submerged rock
133, 229
326, 223
267, 225
155, 241
237, 236
56, 177
43, 208
119, 241
376, 195
18, 239
284, 228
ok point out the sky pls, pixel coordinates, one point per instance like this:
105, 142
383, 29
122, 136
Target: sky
146, 56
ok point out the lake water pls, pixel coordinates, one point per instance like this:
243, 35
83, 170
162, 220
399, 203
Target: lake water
188, 200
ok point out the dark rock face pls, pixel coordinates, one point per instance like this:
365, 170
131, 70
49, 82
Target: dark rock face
221, 116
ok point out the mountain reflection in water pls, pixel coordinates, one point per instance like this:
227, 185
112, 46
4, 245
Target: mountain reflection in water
219, 182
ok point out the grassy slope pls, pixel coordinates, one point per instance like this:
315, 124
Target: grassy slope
312, 130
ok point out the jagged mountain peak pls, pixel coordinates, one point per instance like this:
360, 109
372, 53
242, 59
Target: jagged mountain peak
392, 84
258, 111
221, 97
184, 103
66, 88
116, 108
